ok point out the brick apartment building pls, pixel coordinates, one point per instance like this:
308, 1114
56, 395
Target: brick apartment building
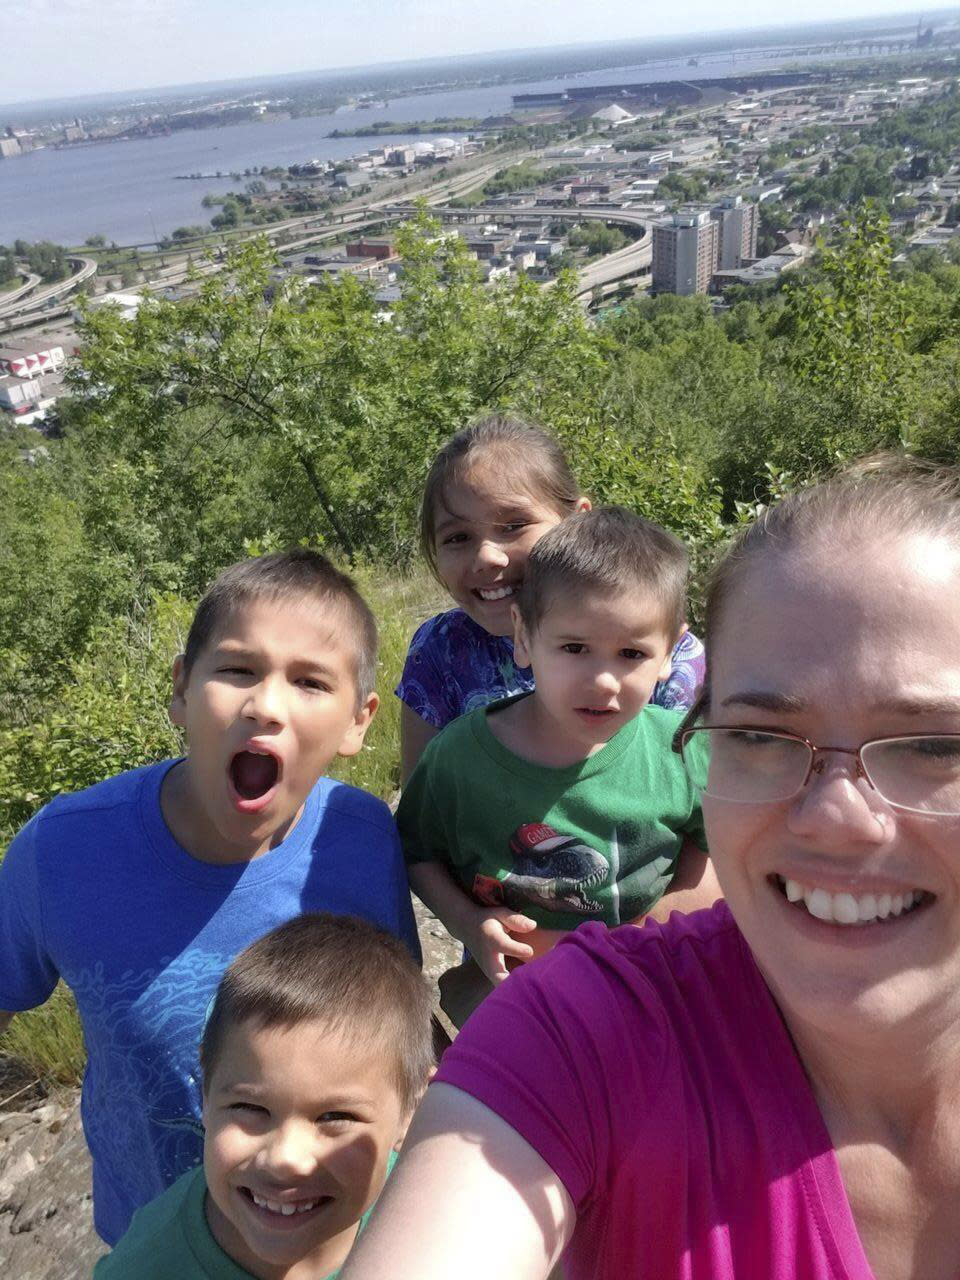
685, 252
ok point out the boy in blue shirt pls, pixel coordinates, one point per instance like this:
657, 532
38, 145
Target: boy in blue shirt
316, 1051
138, 892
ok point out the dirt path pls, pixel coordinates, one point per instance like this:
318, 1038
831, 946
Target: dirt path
46, 1224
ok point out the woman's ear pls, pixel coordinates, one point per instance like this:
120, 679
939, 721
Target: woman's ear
583, 503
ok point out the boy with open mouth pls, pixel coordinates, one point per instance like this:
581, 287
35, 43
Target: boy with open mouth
140, 891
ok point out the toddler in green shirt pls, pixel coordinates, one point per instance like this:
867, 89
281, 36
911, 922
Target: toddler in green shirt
315, 1054
526, 817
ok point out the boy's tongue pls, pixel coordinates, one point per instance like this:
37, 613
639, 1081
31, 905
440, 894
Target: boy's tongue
253, 774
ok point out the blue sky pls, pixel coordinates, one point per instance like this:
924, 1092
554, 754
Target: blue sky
56, 48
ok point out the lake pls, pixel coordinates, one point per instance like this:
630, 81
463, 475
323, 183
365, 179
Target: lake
126, 191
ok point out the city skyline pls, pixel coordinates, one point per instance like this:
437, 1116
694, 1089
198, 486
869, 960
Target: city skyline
78, 47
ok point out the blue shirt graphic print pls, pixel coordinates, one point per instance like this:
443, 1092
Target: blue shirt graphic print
96, 890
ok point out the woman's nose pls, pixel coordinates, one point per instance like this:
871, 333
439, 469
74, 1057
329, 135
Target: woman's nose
838, 807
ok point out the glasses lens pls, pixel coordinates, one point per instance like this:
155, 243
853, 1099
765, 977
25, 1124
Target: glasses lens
745, 765
921, 773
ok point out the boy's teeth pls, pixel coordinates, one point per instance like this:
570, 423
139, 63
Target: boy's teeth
287, 1210
844, 908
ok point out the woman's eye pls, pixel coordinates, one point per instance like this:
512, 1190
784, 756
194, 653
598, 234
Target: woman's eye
514, 526
453, 539
234, 671
750, 738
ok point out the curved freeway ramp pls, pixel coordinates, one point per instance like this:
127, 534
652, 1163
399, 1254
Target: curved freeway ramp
631, 260
30, 299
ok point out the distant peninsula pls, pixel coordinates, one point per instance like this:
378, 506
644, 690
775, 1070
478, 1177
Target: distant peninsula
446, 124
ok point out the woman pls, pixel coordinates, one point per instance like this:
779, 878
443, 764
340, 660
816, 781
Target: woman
770, 1088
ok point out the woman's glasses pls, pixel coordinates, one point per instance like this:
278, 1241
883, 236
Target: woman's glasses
748, 765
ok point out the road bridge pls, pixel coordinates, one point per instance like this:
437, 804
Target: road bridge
632, 260
26, 300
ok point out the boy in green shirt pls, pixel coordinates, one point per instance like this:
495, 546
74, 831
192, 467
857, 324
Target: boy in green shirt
529, 816
315, 1054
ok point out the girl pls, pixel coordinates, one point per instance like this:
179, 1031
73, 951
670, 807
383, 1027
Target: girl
491, 492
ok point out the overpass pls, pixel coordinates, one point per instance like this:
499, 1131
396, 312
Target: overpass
26, 299
632, 260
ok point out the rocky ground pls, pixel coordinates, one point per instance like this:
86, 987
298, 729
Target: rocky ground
46, 1229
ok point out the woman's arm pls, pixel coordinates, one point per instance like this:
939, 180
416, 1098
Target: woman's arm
415, 733
469, 1199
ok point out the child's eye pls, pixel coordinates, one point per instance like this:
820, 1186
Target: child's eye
633, 655
313, 684
453, 539
228, 670
514, 526
574, 646
336, 1117
250, 1108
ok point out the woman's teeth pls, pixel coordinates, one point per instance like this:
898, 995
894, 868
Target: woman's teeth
844, 908
286, 1209
495, 593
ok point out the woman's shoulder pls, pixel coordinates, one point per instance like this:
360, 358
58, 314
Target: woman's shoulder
703, 949
628, 994
633, 1017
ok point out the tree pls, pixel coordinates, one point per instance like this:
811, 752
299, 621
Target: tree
848, 332
313, 394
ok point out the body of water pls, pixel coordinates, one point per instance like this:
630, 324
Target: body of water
127, 192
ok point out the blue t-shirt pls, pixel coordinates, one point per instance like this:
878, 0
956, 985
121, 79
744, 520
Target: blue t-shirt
95, 890
454, 666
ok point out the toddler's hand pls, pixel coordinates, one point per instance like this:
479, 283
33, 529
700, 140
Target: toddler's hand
489, 939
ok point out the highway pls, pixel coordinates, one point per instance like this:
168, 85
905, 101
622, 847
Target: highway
34, 301
633, 259
24, 307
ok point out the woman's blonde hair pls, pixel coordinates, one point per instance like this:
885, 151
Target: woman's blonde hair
880, 497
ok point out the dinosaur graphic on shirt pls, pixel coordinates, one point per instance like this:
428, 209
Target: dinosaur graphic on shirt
550, 870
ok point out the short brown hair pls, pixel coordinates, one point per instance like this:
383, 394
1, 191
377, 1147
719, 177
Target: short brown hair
531, 456
300, 574
608, 549
341, 971
879, 497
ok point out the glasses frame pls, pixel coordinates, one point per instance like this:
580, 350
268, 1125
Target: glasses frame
817, 762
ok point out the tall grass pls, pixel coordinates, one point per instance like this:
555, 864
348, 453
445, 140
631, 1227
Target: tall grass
48, 1041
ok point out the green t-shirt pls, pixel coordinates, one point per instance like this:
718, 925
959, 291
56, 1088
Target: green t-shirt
169, 1239
597, 840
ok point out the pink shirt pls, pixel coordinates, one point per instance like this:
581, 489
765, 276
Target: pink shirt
651, 1070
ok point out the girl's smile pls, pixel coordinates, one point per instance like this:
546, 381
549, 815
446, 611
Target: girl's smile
484, 533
